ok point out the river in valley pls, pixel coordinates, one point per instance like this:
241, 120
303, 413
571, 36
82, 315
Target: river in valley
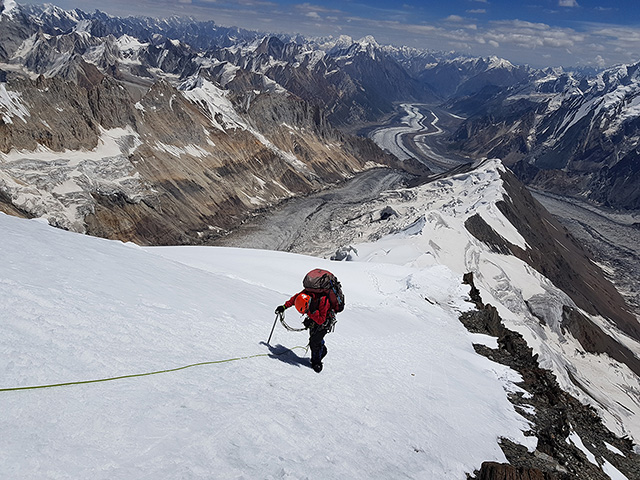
419, 131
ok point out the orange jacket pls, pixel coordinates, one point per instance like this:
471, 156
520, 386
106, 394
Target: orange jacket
320, 315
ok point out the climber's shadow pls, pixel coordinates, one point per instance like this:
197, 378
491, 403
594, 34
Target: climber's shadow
286, 355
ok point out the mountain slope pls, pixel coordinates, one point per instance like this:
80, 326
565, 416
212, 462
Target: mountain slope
544, 285
403, 390
148, 139
402, 393
563, 132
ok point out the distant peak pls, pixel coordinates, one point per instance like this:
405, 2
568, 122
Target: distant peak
344, 39
8, 6
496, 62
368, 40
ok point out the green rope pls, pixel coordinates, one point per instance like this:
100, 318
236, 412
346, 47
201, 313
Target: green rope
82, 382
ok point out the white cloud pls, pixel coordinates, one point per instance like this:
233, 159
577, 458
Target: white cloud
568, 3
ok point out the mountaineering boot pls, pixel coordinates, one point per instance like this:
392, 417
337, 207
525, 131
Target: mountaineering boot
316, 363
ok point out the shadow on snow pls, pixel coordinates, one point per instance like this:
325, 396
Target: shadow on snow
286, 355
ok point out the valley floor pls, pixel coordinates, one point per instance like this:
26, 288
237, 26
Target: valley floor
301, 224
611, 237
419, 131
613, 240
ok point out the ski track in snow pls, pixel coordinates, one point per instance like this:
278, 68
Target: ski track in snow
403, 394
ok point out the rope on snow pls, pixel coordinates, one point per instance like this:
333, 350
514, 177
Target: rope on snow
121, 377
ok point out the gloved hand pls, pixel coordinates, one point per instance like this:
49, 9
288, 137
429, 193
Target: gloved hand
280, 309
308, 323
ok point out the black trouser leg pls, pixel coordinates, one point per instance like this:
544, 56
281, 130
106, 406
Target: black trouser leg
316, 342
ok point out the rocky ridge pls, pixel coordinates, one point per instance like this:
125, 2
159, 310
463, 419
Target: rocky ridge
476, 220
572, 441
568, 347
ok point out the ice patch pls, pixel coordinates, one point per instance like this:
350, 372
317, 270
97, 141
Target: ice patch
60, 184
11, 105
577, 442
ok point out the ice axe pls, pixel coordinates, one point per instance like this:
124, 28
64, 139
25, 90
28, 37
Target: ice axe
274, 327
280, 316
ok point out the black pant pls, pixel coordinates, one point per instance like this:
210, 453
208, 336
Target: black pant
316, 341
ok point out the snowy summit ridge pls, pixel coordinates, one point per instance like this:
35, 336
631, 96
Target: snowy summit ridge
403, 391
439, 223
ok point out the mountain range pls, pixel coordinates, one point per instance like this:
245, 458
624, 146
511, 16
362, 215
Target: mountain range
178, 132
562, 132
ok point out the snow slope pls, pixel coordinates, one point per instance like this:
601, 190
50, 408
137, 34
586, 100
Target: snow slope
429, 230
402, 395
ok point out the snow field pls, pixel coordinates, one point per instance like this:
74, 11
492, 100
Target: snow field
402, 395
429, 231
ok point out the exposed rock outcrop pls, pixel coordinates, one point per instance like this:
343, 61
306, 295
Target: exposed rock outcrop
573, 444
48, 112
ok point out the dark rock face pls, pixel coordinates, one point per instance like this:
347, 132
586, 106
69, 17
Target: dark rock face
501, 471
618, 185
554, 416
111, 105
594, 340
69, 123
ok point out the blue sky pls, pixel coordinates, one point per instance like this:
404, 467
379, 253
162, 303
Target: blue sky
594, 33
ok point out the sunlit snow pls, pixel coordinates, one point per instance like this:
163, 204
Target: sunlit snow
403, 393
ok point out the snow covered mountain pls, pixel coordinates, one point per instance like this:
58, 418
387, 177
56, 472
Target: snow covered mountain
451, 75
253, 119
563, 132
149, 138
170, 341
159, 133
390, 399
483, 220
354, 81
